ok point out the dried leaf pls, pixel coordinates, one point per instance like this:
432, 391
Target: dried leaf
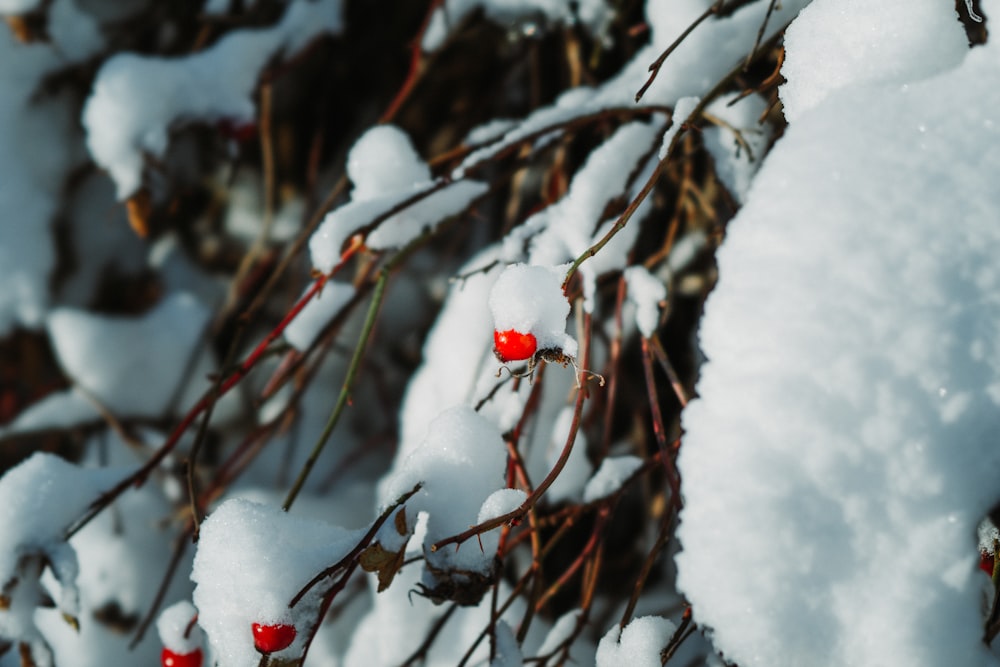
140, 208
386, 563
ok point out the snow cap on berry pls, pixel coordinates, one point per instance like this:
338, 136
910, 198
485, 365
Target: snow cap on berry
177, 632
530, 299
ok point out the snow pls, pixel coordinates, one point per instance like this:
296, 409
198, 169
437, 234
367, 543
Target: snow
386, 172
112, 358
571, 481
835, 45
596, 15
252, 559
639, 645
646, 292
609, 478
501, 502
137, 99
318, 313
460, 464
530, 299
847, 415
39, 499
682, 113
737, 158
15, 7
508, 654
176, 630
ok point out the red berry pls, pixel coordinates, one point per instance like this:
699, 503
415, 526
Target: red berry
986, 562
239, 131
512, 345
271, 638
170, 659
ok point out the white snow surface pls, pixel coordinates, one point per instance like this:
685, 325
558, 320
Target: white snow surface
174, 622
39, 499
638, 645
318, 313
386, 171
646, 291
508, 653
501, 502
844, 437
137, 99
613, 473
460, 464
114, 358
840, 43
251, 561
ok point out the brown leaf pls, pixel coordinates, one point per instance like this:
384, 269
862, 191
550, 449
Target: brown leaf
386, 563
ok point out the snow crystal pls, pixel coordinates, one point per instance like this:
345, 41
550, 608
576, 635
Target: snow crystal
530, 299
460, 463
646, 291
136, 99
856, 284
835, 44
639, 645
252, 559
613, 473
176, 630
386, 172
318, 313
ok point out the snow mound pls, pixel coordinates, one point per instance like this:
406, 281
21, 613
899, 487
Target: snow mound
845, 435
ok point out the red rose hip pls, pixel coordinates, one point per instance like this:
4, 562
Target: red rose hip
986, 562
170, 659
271, 638
512, 345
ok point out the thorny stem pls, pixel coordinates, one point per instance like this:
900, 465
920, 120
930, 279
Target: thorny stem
654, 177
139, 476
523, 509
647, 566
658, 429
421, 651
362, 544
588, 549
654, 68
668, 369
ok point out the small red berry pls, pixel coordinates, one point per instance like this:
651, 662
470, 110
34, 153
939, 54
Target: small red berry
986, 562
239, 131
512, 345
271, 638
170, 659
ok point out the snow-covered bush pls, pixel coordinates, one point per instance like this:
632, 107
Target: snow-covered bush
348, 333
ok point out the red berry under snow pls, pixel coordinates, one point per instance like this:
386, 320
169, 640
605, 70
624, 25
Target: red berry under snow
986, 562
512, 345
271, 638
170, 659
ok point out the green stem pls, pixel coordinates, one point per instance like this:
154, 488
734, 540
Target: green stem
345, 390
